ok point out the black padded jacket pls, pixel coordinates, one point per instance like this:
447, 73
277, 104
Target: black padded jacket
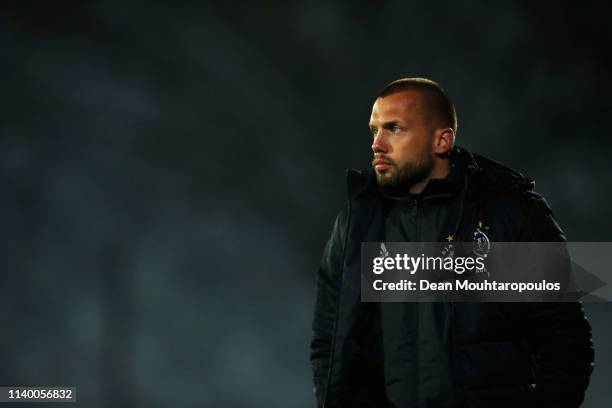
503, 354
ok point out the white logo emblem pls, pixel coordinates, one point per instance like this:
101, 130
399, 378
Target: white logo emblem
383, 251
482, 244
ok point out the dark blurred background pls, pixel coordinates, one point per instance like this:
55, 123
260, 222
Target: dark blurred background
170, 173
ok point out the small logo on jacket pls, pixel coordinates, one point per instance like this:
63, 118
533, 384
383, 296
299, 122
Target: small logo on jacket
482, 243
383, 251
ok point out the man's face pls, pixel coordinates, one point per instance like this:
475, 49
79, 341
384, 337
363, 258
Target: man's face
403, 142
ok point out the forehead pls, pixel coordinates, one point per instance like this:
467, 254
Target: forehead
399, 106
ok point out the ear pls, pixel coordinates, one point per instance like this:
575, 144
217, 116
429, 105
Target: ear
444, 140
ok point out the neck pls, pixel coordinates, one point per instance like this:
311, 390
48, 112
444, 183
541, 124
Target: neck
440, 171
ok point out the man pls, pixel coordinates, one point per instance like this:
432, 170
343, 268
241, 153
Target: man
423, 188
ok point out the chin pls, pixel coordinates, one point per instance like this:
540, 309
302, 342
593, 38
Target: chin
384, 179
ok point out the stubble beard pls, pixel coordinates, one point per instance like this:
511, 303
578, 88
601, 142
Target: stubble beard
407, 175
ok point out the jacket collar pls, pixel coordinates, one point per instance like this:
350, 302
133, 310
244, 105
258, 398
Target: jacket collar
481, 174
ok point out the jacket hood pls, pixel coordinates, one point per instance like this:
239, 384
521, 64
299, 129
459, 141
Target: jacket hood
491, 175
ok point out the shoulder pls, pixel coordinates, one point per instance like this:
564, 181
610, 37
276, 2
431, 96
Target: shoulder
508, 197
340, 224
495, 181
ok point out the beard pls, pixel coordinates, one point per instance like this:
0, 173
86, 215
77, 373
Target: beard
407, 175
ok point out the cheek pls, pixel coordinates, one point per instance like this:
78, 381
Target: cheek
408, 149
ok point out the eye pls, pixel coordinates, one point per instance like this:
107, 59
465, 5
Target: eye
395, 128
374, 131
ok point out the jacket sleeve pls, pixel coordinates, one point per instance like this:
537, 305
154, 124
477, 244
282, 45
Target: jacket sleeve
326, 302
560, 335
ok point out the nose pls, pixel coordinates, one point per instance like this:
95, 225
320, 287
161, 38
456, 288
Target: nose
379, 145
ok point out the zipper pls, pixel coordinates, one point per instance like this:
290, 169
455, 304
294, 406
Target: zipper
451, 348
418, 223
417, 309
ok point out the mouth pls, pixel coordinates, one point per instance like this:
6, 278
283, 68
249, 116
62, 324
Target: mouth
381, 165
